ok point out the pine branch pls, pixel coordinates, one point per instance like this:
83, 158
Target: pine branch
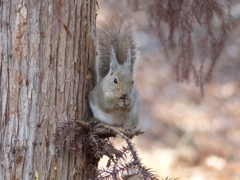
123, 163
182, 18
72, 133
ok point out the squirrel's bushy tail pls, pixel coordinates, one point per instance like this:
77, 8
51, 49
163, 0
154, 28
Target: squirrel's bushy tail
116, 33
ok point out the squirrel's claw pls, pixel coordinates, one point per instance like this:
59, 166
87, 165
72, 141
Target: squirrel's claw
120, 129
95, 120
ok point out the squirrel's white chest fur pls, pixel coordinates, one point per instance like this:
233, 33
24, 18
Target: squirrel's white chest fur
115, 118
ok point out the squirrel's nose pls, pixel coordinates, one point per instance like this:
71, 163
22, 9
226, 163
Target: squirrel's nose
124, 95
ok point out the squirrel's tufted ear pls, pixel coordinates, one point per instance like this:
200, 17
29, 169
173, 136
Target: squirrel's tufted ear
127, 63
113, 61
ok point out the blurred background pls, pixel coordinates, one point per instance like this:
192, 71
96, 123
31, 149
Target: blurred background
187, 136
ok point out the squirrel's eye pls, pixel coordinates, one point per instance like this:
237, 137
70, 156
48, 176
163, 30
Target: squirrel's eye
115, 80
132, 82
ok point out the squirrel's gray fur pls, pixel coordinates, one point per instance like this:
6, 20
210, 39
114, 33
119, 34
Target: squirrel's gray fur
116, 34
114, 100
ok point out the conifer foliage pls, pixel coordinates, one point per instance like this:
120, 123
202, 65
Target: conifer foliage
123, 163
183, 18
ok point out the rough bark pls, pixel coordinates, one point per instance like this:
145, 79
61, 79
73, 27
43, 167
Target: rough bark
47, 59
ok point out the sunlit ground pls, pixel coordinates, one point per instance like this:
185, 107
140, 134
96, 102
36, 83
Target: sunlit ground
187, 136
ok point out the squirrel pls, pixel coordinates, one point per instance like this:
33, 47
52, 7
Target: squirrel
114, 100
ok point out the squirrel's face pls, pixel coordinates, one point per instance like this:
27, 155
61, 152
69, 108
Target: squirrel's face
121, 82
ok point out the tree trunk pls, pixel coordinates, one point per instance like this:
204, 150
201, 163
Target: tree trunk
47, 55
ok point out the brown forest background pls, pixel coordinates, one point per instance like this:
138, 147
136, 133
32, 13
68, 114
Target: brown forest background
187, 136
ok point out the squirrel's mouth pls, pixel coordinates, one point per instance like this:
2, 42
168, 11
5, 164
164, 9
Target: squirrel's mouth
123, 96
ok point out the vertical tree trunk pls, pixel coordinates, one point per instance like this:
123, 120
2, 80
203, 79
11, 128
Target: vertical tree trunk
47, 59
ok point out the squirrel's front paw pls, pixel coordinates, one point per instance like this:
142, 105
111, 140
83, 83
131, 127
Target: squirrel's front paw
124, 103
121, 103
127, 102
